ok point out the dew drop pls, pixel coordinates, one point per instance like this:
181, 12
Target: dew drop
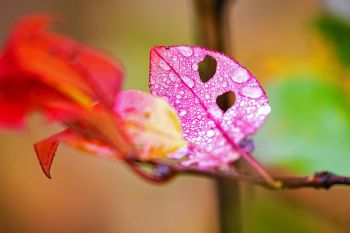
184, 50
207, 96
215, 112
210, 133
189, 82
240, 76
264, 110
195, 66
211, 124
182, 113
252, 92
178, 96
172, 76
163, 65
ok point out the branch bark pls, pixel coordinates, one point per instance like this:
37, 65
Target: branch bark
163, 171
213, 31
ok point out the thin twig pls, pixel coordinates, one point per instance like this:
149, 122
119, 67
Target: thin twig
164, 171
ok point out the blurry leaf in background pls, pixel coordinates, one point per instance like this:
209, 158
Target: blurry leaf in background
320, 59
309, 128
270, 213
337, 32
53, 74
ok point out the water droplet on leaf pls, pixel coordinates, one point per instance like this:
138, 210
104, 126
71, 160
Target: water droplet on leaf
186, 51
189, 82
240, 76
210, 133
252, 92
182, 112
163, 65
265, 110
172, 76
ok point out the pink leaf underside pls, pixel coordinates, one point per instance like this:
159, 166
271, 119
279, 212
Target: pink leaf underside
214, 136
151, 123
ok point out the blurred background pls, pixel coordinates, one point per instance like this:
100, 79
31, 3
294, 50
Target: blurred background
300, 52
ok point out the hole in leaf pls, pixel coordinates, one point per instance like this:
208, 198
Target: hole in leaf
207, 68
226, 100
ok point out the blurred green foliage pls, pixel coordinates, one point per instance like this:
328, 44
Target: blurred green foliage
267, 213
309, 127
337, 32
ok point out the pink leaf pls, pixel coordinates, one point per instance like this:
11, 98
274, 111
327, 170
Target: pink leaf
43, 71
214, 135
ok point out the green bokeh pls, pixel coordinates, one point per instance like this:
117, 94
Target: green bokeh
309, 126
337, 32
267, 213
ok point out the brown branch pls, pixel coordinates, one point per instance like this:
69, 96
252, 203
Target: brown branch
164, 171
212, 30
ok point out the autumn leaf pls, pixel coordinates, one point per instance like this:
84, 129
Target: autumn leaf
214, 134
43, 71
46, 149
62, 79
149, 122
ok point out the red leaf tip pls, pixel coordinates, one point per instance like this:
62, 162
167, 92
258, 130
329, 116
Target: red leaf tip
45, 151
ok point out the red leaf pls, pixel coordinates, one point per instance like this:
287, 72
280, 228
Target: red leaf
62, 79
150, 124
43, 71
46, 149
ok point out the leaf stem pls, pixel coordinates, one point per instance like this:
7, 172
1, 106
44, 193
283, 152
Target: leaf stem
261, 171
